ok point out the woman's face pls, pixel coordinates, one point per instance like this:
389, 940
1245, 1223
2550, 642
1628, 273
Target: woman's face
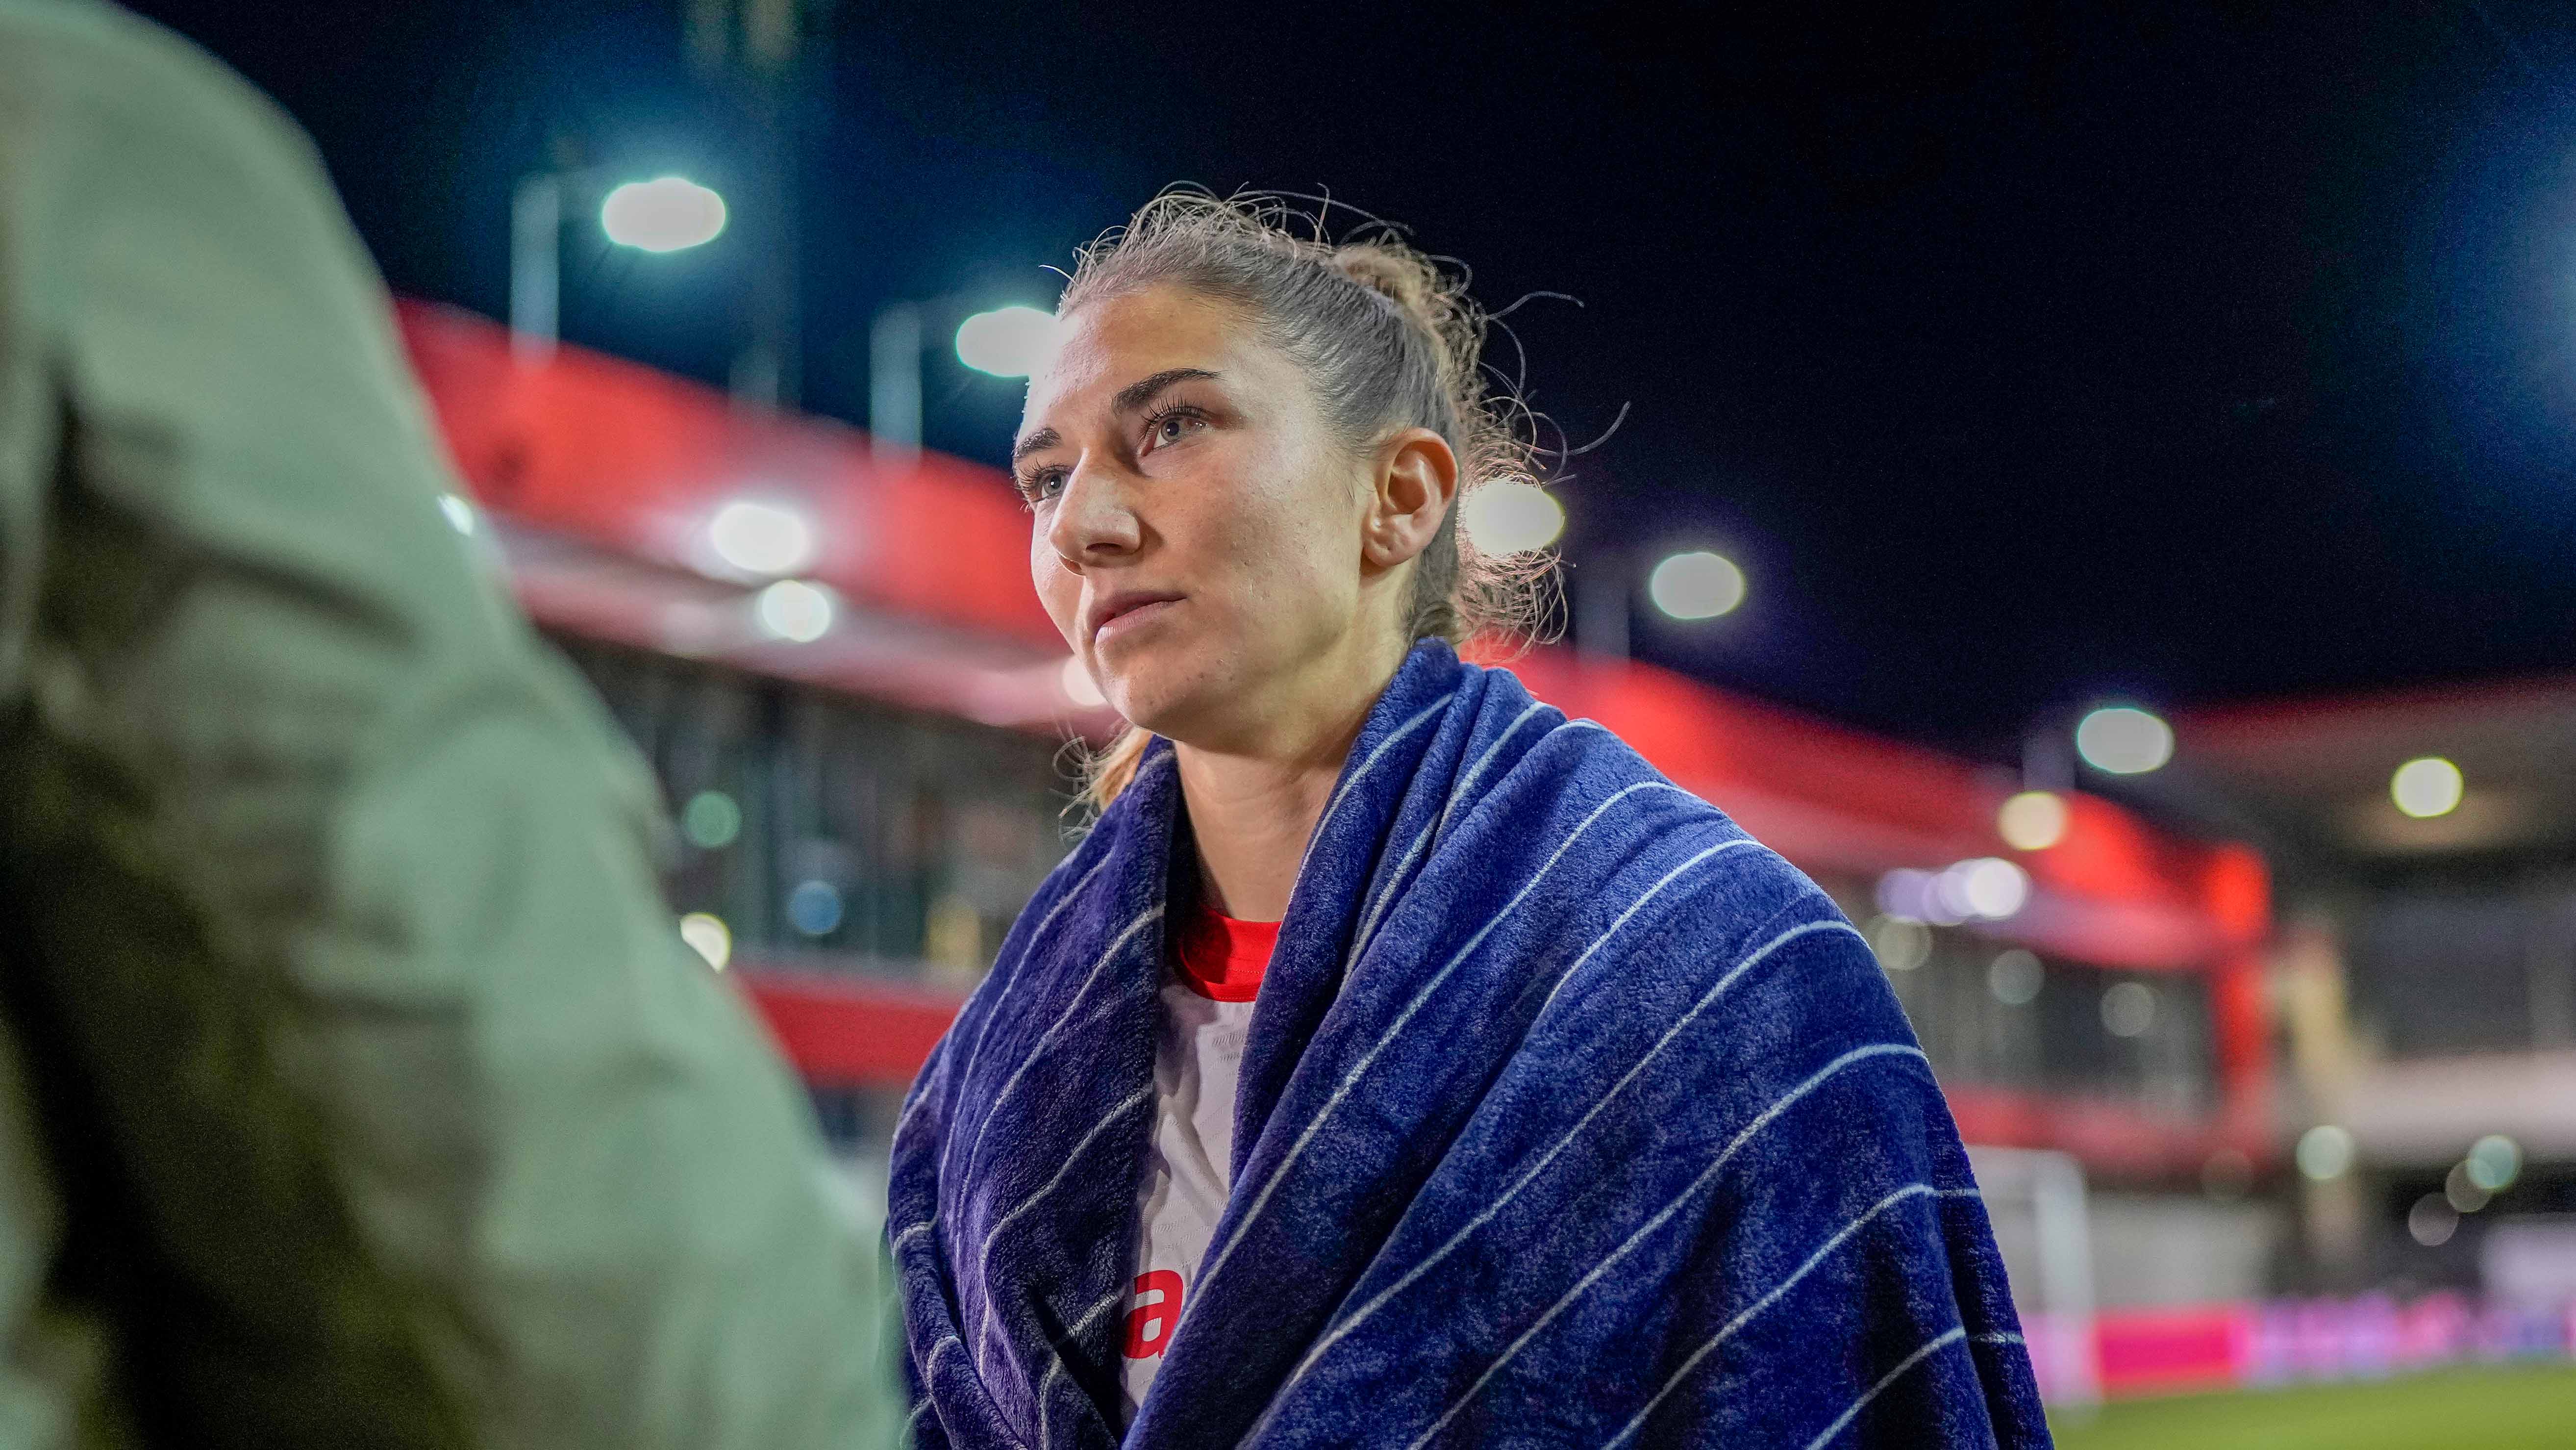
1201, 537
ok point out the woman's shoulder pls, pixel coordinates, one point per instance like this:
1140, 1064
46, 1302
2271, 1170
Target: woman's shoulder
1698, 897
1567, 771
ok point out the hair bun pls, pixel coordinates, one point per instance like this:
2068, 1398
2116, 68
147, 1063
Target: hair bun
1401, 276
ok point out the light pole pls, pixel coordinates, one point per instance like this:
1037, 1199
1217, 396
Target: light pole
665, 214
1006, 342
1689, 585
894, 383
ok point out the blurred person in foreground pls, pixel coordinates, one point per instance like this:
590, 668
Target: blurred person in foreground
1397, 1062
354, 1087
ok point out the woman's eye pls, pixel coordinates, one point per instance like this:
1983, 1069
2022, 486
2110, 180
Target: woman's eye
1037, 488
1174, 426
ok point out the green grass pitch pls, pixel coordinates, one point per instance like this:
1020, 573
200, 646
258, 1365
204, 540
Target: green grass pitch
2496, 1408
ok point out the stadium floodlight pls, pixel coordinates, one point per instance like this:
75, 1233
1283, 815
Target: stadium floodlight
2325, 1152
1079, 687
2124, 740
1008, 342
794, 610
761, 538
2033, 820
666, 214
1696, 585
708, 933
1502, 519
2426, 788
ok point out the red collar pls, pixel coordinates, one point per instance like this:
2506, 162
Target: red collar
1222, 959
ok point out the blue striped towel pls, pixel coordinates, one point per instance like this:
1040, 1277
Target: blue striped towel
1570, 1115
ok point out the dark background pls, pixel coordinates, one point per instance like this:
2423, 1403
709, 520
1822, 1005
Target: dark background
2023, 355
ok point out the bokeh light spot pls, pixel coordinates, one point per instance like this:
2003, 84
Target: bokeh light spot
2014, 976
2129, 1009
2124, 740
1696, 585
2325, 1152
792, 609
709, 936
711, 820
2033, 820
1079, 687
1511, 518
761, 538
1008, 342
814, 908
662, 215
2426, 788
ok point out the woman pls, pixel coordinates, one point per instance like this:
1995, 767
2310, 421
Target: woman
1396, 1062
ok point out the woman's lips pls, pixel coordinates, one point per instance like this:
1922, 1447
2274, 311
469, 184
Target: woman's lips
1128, 621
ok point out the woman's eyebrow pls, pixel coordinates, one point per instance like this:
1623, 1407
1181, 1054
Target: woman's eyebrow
1038, 442
1129, 399
1140, 392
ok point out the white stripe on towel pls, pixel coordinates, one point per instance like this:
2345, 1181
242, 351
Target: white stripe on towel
945, 1340
1116, 945
1761, 1121
984, 1258
1911, 1190
984, 1028
1560, 1145
1466, 782
1891, 1377
1055, 1360
1365, 766
1270, 1185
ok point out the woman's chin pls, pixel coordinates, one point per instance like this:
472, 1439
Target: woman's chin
1183, 710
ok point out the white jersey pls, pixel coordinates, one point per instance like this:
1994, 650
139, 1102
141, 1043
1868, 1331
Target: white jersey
1198, 1057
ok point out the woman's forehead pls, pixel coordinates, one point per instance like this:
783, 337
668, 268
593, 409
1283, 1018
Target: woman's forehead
1109, 344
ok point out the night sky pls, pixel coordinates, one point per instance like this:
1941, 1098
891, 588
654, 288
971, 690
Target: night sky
2023, 356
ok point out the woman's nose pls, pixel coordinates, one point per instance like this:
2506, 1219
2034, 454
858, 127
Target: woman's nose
1093, 522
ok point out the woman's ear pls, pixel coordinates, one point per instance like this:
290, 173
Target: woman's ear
1416, 482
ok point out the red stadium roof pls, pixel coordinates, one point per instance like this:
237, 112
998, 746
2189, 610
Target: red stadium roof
604, 476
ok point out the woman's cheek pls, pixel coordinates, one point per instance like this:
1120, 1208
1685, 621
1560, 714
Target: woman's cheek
1059, 590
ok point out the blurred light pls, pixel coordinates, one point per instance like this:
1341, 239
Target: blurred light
2464, 1195
2124, 740
814, 908
711, 820
2494, 1162
2325, 1152
2014, 977
795, 610
2432, 1221
1995, 888
662, 215
2129, 1009
1008, 342
1511, 518
1902, 943
1914, 895
2427, 787
460, 514
2226, 1175
1696, 585
2033, 820
761, 538
710, 936
1988, 888
1079, 687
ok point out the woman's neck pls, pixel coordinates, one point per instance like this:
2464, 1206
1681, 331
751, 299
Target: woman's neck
1251, 810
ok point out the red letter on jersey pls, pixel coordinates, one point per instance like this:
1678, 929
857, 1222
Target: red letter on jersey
1149, 1324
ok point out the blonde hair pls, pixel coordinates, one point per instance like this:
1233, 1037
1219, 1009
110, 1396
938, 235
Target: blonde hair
1389, 339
